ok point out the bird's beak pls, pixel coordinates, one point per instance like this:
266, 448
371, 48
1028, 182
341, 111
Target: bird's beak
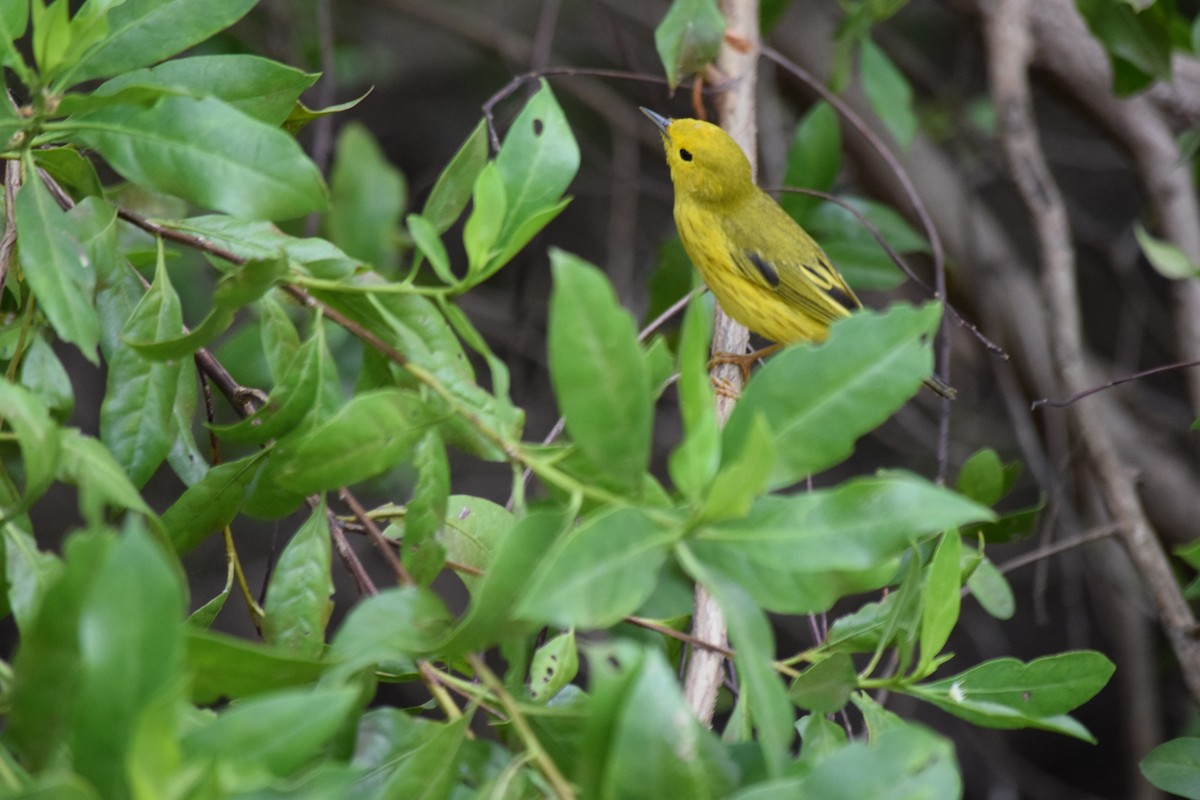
659, 120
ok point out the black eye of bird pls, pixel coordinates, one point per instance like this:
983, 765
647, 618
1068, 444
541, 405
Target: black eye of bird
685, 155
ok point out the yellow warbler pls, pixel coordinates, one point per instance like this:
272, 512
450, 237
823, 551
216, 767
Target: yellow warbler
765, 270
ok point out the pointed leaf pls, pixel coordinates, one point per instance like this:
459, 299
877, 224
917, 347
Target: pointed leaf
536, 163
367, 195
143, 32
599, 573
139, 401
208, 153
453, 188
872, 363
591, 338
54, 264
688, 38
298, 602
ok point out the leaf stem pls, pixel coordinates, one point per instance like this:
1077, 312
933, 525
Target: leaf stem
561, 786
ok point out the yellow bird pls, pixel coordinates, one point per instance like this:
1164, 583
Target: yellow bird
765, 270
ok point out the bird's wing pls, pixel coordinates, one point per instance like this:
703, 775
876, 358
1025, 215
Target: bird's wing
768, 248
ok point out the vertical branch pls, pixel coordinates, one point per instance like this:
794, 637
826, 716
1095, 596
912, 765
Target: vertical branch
12, 178
1009, 47
735, 109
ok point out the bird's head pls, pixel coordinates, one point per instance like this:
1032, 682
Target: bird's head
706, 164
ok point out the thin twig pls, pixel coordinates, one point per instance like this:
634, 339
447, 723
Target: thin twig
346, 553
695, 641
899, 261
1033, 556
1045, 401
377, 538
545, 763
550, 72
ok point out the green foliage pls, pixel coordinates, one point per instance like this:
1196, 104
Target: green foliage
114, 691
1174, 767
688, 38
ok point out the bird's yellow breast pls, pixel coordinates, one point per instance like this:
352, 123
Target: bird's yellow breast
757, 307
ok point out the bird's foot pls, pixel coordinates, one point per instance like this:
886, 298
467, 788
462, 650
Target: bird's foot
725, 388
742, 361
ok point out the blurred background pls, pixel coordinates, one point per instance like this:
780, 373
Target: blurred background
431, 65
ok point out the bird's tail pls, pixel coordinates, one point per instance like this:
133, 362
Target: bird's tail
940, 387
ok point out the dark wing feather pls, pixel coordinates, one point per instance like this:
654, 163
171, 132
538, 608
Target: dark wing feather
774, 252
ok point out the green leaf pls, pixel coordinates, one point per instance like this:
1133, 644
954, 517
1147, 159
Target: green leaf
490, 618
139, 400
301, 114
942, 597
872, 363
982, 477
825, 687
51, 34
210, 504
56, 267
454, 186
37, 436
429, 243
279, 732
489, 206
877, 718
1006, 693
814, 159
87, 464
224, 666
208, 153
1138, 44
799, 553
820, 737
424, 555
1174, 767
693, 464
740, 481
414, 326
248, 282
471, 532
592, 340
298, 601
642, 740
396, 623
205, 615
71, 169
600, 572
142, 32
896, 765
1166, 257
367, 198
47, 667
131, 651
991, 589
44, 375
888, 92
259, 87
14, 19
292, 401
431, 771
370, 434
536, 163
554, 665
754, 648
28, 572
688, 38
